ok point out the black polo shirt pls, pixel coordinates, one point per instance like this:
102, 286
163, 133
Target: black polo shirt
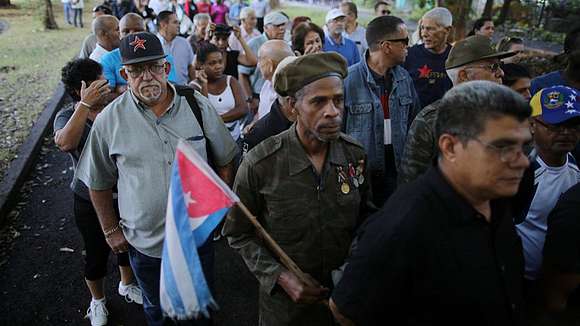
429, 258
562, 246
271, 124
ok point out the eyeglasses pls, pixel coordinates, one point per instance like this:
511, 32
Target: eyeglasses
494, 67
508, 153
560, 128
139, 70
385, 12
404, 41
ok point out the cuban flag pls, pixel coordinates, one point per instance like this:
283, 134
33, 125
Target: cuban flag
198, 201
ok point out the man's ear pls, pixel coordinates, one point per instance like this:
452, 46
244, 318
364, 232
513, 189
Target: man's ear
448, 30
462, 76
123, 73
291, 100
447, 147
533, 125
167, 68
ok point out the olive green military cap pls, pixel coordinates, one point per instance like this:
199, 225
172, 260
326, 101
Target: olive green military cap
307, 69
472, 49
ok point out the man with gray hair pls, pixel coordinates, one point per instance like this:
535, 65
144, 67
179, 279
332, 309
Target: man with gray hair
200, 23
106, 29
426, 61
132, 147
444, 250
251, 77
473, 58
269, 55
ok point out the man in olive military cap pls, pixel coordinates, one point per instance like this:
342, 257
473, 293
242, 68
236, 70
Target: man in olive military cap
308, 187
473, 58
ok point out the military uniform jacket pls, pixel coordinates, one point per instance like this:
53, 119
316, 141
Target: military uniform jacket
313, 218
421, 147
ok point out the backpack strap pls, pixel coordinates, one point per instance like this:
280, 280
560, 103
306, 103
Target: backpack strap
189, 94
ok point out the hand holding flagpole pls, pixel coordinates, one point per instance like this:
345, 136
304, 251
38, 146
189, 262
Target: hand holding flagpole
284, 258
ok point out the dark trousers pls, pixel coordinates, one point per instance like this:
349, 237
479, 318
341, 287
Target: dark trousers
96, 248
78, 20
147, 271
260, 25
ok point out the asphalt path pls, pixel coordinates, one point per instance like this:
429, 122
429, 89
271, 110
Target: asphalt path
41, 272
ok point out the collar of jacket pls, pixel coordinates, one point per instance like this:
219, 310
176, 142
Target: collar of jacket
396, 71
297, 158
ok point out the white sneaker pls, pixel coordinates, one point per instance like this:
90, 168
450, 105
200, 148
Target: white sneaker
131, 292
97, 313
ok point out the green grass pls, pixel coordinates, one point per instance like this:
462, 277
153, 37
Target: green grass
317, 15
30, 63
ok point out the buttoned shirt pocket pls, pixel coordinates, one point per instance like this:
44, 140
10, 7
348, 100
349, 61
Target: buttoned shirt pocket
405, 101
198, 143
290, 225
359, 117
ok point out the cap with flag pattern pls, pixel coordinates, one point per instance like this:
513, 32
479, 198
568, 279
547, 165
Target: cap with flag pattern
556, 104
140, 47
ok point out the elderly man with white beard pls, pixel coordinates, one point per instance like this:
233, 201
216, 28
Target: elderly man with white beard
132, 146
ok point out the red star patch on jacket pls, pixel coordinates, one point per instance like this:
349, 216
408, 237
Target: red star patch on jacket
138, 44
424, 71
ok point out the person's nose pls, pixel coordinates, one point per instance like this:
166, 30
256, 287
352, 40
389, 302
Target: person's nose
499, 73
522, 162
147, 75
332, 110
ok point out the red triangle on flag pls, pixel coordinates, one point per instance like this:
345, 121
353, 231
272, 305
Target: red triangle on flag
205, 194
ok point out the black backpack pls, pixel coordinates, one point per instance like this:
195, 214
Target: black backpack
189, 94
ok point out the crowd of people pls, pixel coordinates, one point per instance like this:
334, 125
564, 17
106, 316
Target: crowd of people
415, 180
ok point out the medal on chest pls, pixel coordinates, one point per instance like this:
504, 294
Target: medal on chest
342, 180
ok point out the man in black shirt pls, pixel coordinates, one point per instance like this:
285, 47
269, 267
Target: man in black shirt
443, 250
279, 119
562, 250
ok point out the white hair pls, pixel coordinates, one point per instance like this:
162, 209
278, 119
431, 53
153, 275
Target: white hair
246, 11
440, 15
198, 18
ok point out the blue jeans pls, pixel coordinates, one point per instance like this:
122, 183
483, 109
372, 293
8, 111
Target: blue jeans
68, 15
147, 271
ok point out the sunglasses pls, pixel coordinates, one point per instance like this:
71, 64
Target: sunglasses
138, 70
385, 12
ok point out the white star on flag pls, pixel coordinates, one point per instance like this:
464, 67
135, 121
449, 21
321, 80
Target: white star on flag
188, 199
572, 97
569, 105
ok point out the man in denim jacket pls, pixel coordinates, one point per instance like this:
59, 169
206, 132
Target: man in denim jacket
381, 102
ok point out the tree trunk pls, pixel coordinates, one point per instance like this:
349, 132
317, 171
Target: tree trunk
488, 11
49, 21
460, 10
505, 11
5, 3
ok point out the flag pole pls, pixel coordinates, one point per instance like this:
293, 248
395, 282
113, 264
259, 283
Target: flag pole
284, 258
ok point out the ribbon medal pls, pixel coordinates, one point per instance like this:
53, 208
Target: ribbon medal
344, 187
352, 175
359, 172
